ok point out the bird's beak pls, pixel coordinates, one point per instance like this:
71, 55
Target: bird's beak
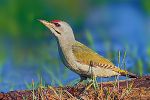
46, 23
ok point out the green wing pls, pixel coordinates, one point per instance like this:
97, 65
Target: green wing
85, 55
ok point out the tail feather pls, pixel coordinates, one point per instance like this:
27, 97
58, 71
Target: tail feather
124, 73
129, 74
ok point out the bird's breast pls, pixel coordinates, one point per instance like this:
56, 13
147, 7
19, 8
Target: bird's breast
62, 56
66, 55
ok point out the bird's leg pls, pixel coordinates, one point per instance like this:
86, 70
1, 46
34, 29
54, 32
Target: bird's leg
95, 84
82, 78
92, 81
85, 88
89, 70
93, 77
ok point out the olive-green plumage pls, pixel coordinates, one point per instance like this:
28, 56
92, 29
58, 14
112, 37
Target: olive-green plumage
78, 57
85, 55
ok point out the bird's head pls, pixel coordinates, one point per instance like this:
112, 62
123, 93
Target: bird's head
59, 28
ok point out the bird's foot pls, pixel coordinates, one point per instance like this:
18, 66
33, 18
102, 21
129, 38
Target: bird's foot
80, 83
91, 82
77, 84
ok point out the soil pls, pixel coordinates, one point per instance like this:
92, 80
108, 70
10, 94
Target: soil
134, 89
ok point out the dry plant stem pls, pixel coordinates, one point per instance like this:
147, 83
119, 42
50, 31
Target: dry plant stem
33, 91
119, 67
69, 94
101, 84
127, 91
118, 81
138, 89
54, 91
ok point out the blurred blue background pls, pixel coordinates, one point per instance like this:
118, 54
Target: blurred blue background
28, 50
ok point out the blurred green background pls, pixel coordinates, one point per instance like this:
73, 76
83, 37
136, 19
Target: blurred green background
28, 50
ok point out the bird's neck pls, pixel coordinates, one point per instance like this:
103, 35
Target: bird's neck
65, 48
66, 42
65, 51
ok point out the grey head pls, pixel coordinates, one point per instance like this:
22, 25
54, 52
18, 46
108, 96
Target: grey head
60, 29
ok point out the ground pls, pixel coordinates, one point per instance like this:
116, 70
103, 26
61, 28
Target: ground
134, 89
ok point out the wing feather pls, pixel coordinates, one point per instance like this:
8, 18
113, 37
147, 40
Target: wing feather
85, 55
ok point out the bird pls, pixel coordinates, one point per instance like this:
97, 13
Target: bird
78, 57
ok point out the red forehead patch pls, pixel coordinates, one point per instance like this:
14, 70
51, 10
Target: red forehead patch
55, 21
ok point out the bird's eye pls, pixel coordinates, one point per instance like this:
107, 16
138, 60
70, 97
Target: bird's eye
57, 24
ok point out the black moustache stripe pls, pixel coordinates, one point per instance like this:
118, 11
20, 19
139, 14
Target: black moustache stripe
57, 31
